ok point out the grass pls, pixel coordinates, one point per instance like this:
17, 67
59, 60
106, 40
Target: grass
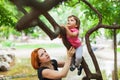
49, 45
22, 70
18, 45
53, 45
32, 46
118, 49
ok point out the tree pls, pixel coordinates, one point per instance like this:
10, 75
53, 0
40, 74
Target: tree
92, 13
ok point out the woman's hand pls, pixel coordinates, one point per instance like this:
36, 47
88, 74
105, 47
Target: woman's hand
71, 52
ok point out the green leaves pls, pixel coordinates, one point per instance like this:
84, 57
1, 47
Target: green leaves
109, 9
6, 16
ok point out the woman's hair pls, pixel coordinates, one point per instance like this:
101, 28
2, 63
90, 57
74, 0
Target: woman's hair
34, 58
77, 20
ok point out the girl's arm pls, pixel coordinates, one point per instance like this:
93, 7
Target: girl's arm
71, 34
53, 74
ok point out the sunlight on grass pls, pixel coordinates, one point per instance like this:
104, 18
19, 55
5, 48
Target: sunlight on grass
22, 70
31, 46
118, 49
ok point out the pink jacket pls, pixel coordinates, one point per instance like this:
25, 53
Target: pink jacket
75, 41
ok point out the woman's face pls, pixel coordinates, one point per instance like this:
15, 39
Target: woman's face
71, 22
43, 56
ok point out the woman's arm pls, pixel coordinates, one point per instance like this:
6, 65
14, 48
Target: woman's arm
61, 64
53, 74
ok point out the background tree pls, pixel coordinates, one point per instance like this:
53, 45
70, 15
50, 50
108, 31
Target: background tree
109, 9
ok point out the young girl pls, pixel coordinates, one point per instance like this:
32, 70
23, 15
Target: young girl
72, 31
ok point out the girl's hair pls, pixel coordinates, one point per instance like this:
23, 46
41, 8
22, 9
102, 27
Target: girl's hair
34, 58
77, 20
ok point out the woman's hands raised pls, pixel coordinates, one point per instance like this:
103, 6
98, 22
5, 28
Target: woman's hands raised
71, 52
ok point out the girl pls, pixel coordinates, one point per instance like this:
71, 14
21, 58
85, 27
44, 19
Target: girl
72, 31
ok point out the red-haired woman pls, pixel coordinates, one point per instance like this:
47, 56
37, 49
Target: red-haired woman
47, 68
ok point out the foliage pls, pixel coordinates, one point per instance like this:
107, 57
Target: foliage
6, 14
108, 8
5, 32
7, 43
8, 19
35, 35
9, 15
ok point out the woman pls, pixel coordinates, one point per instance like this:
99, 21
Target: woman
48, 69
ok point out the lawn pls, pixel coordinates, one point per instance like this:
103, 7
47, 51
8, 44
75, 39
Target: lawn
118, 49
32, 46
53, 45
22, 70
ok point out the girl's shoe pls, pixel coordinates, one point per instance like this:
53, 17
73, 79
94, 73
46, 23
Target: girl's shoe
72, 67
79, 70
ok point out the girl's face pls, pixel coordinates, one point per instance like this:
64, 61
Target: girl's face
71, 23
43, 56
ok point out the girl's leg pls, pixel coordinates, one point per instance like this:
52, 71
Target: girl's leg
78, 55
79, 52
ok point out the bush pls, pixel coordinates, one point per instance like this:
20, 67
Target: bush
35, 35
7, 43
